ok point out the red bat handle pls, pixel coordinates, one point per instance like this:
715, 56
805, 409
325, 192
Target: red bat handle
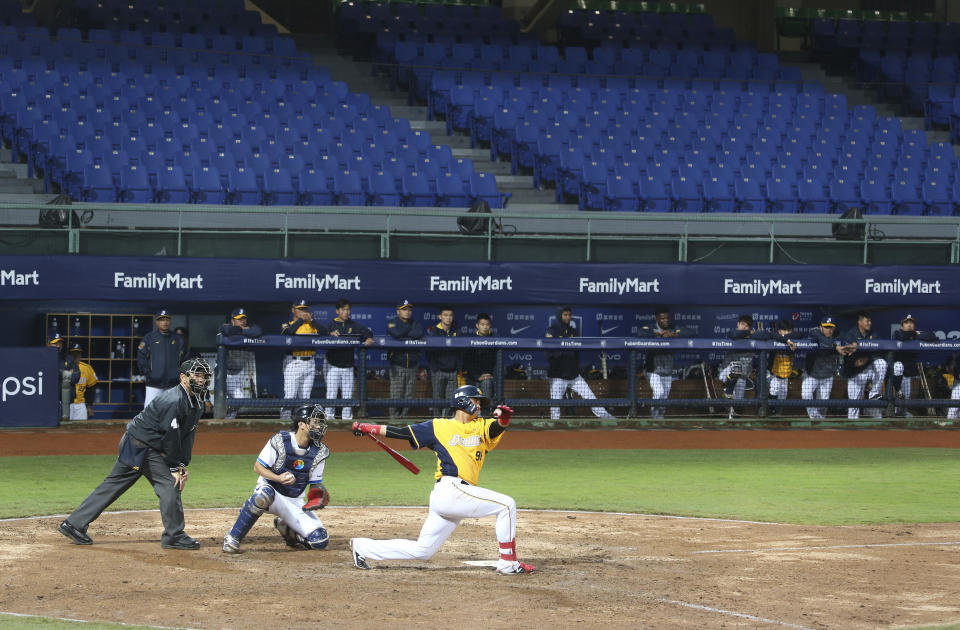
406, 463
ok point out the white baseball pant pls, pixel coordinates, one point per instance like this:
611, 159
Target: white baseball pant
297, 379
856, 385
450, 502
237, 382
660, 384
290, 511
816, 388
907, 386
339, 378
559, 386
777, 386
954, 395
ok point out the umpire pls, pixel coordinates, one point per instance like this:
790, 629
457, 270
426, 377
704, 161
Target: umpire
158, 445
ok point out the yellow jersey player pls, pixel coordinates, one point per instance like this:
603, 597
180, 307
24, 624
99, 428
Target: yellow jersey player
83, 379
461, 444
299, 366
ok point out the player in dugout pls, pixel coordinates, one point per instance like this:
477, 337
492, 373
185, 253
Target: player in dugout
461, 444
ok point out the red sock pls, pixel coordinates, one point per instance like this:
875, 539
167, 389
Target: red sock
508, 551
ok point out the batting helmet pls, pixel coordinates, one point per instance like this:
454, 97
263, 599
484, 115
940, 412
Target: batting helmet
307, 414
462, 398
194, 369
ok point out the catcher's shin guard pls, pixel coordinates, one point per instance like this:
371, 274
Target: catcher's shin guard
261, 499
317, 539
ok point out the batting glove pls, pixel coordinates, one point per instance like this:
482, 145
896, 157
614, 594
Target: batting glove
503, 414
364, 428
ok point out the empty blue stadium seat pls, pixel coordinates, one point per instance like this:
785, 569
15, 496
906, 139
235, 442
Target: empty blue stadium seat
98, 185
172, 186
906, 197
812, 196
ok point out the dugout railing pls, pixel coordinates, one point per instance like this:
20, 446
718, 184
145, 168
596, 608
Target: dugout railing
630, 404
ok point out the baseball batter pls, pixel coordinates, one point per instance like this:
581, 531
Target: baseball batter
461, 444
290, 462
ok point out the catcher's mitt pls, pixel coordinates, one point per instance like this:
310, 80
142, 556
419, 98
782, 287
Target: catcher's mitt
317, 498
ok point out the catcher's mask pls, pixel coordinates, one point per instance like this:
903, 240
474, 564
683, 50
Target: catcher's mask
313, 417
462, 399
199, 373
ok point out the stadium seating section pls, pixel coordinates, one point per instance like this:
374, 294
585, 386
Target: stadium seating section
636, 110
669, 113
212, 109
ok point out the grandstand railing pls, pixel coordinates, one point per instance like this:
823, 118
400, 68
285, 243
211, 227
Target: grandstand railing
628, 407
591, 228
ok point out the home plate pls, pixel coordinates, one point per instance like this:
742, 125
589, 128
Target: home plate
481, 563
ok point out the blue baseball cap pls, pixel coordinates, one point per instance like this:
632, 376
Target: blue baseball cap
238, 313
56, 338
163, 313
301, 304
405, 304
828, 321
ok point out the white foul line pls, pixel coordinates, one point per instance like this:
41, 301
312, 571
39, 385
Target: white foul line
913, 544
70, 619
731, 613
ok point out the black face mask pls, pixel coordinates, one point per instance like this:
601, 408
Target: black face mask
316, 433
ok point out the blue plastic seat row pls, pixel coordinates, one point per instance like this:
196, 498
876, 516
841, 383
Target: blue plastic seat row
308, 186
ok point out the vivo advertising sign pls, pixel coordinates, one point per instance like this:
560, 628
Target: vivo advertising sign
29, 387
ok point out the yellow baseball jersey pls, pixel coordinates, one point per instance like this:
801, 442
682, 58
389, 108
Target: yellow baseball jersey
88, 378
303, 328
460, 447
782, 365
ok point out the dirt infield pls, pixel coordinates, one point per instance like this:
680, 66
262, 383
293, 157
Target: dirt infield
594, 570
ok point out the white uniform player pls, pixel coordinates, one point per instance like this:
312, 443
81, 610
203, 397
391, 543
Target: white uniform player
289, 464
340, 361
461, 444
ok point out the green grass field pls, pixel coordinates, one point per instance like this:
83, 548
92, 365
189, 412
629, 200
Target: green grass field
812, 486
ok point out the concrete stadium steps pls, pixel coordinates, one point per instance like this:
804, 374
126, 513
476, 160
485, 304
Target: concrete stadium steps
358, 75
858, 96
16, 186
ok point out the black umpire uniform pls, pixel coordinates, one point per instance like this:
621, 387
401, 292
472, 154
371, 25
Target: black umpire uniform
157, 443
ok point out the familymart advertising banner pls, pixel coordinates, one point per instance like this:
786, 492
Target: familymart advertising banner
204, 279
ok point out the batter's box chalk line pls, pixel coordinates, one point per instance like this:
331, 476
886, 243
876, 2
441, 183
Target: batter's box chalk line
481, 563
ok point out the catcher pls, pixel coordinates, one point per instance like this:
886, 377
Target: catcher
289, 463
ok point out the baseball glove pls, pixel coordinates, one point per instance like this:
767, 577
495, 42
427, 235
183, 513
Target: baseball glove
317, 498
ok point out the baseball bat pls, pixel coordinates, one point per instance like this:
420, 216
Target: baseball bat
406, 463
603, 356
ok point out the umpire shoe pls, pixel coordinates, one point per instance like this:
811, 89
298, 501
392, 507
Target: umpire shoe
518, 569
183, 542
74, 534
230, 544
358, 561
